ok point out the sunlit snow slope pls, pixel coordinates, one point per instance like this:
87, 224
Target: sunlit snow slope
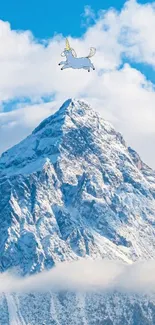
73, 189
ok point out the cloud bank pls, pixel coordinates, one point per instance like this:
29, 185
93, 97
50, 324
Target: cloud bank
86, 275
122, 94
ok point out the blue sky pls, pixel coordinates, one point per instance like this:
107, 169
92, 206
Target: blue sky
122, 88
46, 17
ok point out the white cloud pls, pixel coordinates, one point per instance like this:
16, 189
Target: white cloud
124, 96
139, 20
86, 275
17, 124
88, 16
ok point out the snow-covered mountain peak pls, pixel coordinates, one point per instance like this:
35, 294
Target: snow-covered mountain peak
73, 120
72, 113
74, 189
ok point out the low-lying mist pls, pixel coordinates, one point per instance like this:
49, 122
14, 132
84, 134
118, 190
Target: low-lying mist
86, 275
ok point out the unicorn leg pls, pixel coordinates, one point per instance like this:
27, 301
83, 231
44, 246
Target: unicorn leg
62, 62
86, 68
65, 67
92, 66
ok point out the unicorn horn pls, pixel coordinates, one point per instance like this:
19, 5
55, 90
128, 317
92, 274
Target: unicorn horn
67, 45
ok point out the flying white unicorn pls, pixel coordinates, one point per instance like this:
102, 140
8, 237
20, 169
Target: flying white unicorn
76, 63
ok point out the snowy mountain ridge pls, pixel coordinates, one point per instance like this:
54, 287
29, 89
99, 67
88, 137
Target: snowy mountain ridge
49, 135
70, 190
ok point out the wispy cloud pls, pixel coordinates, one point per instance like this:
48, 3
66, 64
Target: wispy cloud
88, 17
87, 275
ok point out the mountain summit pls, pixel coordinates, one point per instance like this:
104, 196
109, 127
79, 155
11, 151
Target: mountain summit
74, 189
72, 123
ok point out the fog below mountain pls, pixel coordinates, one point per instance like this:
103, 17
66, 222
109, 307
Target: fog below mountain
86, 275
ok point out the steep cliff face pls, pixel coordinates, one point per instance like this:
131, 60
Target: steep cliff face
74, 189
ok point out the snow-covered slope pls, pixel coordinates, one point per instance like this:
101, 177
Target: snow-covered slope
77, 309
74, 189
